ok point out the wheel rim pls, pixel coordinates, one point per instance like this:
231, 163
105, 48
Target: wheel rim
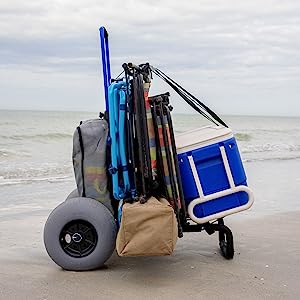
78, 238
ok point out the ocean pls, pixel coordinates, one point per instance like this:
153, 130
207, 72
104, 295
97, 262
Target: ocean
36, 148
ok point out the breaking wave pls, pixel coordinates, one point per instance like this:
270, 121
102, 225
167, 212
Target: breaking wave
283, 148
39, 137
4, 182
243, 137
4, 153
271, 158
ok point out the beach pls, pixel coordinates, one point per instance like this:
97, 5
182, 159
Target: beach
199, 106
36, 175
266, 262
210, 85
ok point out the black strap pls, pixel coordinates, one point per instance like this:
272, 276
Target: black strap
82, 159
130, 128
139, 135
174, 150
195, 103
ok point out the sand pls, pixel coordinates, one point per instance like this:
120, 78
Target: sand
266, 263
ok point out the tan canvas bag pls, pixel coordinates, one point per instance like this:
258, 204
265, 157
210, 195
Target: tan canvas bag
148, 229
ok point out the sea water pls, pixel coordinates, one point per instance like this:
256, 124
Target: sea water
36, 147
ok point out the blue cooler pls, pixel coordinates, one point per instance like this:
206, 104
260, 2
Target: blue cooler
213, 177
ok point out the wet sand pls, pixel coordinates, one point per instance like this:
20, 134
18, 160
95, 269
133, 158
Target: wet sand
266, 263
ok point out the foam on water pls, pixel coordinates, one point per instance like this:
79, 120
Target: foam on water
243, 136
39, 137
7, 181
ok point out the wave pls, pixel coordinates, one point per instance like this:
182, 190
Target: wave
40, 136
17, 181
8, 123
26, 172
271, 159
243, 137
4, 153
283, 148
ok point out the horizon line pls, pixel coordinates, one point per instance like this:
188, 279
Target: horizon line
175, 113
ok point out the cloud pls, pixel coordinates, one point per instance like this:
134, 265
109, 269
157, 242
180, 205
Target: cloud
220, 49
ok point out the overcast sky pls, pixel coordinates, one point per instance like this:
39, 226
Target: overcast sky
239, 57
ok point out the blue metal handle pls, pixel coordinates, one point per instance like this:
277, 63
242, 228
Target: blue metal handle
105, 62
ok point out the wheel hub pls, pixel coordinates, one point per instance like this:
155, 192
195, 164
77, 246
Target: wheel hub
78, 238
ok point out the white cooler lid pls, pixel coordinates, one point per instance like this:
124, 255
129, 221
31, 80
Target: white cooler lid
201, 137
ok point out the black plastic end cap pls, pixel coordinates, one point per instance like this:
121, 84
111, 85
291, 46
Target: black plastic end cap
105, 31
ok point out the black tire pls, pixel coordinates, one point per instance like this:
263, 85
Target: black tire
73, 194
221, 232
80, 234
226, 242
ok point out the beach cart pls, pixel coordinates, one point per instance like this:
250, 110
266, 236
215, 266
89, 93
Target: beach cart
199, 172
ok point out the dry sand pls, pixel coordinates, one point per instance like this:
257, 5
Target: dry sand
266, 265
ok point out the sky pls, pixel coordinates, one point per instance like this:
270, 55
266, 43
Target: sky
238, 57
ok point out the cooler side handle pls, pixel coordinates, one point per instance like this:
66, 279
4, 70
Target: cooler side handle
227, 167
196, 177
204, 198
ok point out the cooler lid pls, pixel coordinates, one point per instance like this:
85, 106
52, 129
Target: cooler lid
201, 137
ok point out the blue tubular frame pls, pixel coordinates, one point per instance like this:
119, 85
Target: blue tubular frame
105, 62
117, 119
122, 137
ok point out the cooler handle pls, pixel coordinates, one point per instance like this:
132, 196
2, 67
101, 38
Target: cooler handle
202, 198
